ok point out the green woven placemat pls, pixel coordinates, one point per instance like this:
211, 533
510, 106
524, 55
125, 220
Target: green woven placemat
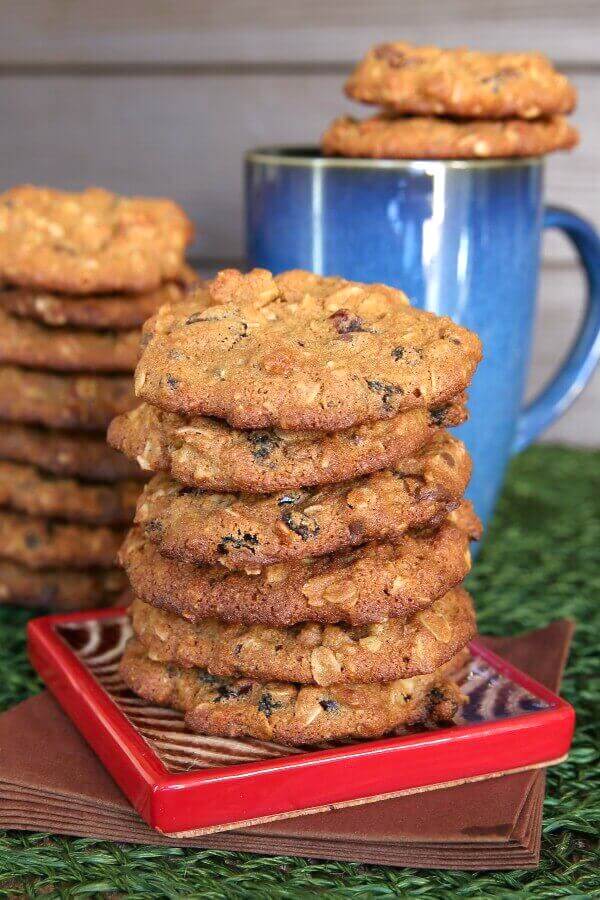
541, 561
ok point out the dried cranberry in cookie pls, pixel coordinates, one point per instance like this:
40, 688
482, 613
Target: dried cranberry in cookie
431, 81
248, 531
360, 586
301, 351
208, 453
309, 652
288, 712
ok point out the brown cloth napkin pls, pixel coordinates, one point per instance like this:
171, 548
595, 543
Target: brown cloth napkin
51, 781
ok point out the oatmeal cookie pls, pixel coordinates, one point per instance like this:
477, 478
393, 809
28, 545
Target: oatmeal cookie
29, 490
38, 346
248, 531
66, 454
363, 586
115, 312
84, 402
388, 137
300, 351
44, 544
59, 589
90, 242
310, 653
430, 81
210, 454
292, 713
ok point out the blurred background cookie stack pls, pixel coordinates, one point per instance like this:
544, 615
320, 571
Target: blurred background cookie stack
297, 559
454, 104
80, 273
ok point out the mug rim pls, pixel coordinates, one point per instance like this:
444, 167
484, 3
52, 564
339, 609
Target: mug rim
309, 156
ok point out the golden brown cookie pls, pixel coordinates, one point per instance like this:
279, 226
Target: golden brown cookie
210, 454
66, 454
29, 490
466, 83
248, 531
116, 312
66, 349
85, 402
388, 137
300, 351
44, 544
310, 653
90, 242
291, 713
362, 586
59, 589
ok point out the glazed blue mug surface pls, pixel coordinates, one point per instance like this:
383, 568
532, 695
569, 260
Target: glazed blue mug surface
460, 238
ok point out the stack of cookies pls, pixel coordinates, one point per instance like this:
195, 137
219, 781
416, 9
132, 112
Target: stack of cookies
297, 559
453, 104
80, 273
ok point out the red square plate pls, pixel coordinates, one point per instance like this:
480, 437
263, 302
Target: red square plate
184, 783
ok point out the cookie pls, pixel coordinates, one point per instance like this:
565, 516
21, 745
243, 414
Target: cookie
109, 311
44, 544
430, 81
31, 491
300, 351
310, 653
370, 584
208, 453
90, 242
246, 531
62, 589
67, 349
64, 454
387, 137
85, 402
291, 713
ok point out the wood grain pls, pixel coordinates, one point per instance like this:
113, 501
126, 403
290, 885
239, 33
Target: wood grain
154, 97
184, 135
189, 32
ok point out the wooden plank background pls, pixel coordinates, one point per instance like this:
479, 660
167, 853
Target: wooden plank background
158, 97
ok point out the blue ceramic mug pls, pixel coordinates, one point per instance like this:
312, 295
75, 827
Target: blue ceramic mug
462, 239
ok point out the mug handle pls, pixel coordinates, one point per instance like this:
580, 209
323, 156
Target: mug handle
581, 360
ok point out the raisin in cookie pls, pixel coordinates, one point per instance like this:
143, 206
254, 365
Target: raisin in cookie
44, 544
465, 83
310, 653
210, 454
363, 586
387, 137
66, 349
291, 713
300, 351
29, 490
66, 454
89, 242
84, 402
59, 589
247, 531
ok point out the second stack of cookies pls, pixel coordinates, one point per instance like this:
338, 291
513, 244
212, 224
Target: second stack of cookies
454, 104
297, 560
80, 272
